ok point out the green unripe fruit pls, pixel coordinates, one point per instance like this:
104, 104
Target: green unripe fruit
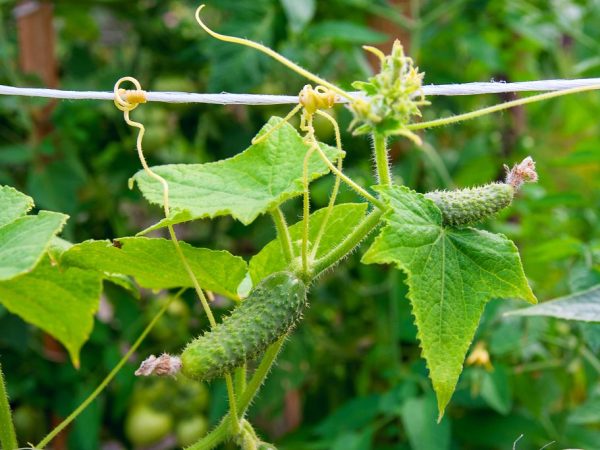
268, 313
467, 206
145, 426
191, 430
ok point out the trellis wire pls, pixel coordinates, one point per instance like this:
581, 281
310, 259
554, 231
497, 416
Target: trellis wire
255, 99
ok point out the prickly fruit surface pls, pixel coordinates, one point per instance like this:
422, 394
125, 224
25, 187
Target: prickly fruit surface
268, 313
467, 206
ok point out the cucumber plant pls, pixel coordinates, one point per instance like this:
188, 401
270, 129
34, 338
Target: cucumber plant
452, 268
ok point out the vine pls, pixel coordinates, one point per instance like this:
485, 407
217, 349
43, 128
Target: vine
427, 236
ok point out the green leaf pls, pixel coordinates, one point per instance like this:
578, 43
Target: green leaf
24, 240
13, 204
583, 306
344, 32
343, 219
418, 418
496, 389
298, 12
451, 273
249, 184
154, 263
60, 302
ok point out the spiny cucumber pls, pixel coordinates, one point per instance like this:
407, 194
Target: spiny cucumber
466, 206
272, 308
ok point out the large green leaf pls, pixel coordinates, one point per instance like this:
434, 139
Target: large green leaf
251, 183
24, 240
13, 204
583, 306
451, 274
154, 263
60, 302
343, 219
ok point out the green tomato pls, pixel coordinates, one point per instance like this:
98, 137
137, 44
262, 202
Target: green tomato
189, 431
145, 426
30, 423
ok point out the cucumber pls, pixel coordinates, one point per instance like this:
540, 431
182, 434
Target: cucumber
466, 206
269, 312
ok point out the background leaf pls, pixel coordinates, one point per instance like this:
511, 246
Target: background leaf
24, 241
154, 263
584, 306
60, 302
13, 204
452, 274
419, 420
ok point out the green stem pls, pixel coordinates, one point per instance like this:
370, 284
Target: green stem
283, 233
240, 379
330, 205
359, 190
8, 438
211, 318
500, 107
109, 377
233, 411
222, 431
382, 163
349, 243
306, 207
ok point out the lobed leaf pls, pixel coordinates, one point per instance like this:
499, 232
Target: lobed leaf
154, 263
60, 302
451, 274
245, 186
583, 306
343, 219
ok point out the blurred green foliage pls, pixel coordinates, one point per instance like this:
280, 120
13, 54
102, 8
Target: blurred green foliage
351, 377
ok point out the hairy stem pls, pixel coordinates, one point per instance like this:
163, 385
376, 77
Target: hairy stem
240, 379
336, 184
500, 107
8, 438
349, 243
110, 376
358, 189
283, 233
306, 207
382, 163
222, 431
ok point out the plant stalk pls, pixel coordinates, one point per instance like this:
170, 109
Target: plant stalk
8, 438
349, 243
283, 233
382, 163
222, 431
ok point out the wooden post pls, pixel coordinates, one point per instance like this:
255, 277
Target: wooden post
36, 54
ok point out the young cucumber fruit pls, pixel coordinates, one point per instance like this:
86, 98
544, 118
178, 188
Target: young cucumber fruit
268, 313
466, 206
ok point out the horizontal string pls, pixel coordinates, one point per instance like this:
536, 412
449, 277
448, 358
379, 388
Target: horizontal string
256, 99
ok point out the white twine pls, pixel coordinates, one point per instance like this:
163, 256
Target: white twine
255, 99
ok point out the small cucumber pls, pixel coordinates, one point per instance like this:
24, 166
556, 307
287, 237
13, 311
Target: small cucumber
467, 206
272, 308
